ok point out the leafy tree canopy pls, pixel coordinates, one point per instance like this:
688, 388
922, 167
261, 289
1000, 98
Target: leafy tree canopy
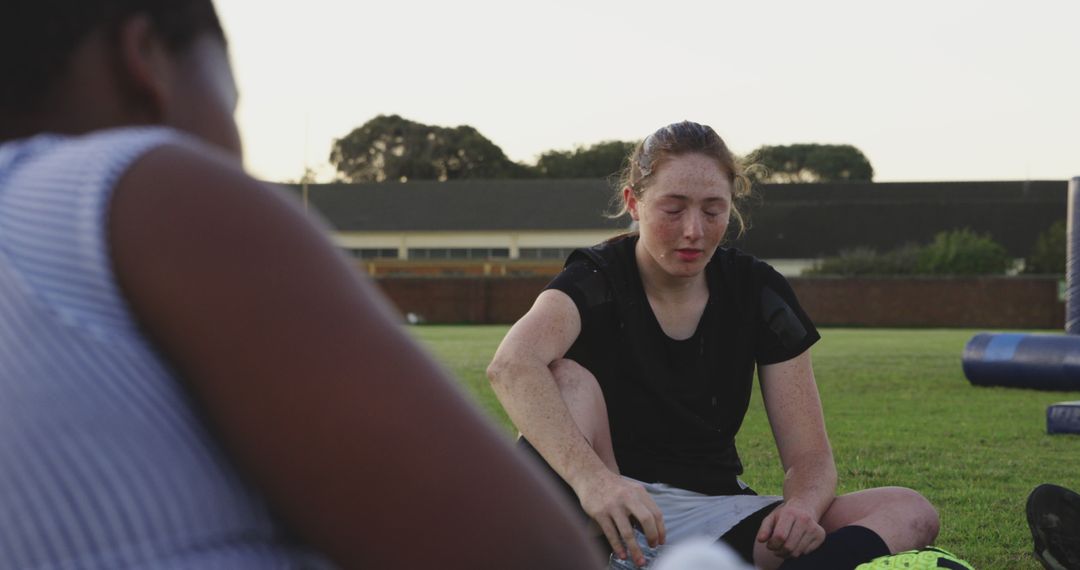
1050, 251
390, 147
597, 161
956, 252
810, 163
393, 148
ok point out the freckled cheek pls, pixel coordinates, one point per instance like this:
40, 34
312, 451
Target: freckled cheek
714, 231
670, 231
721, 227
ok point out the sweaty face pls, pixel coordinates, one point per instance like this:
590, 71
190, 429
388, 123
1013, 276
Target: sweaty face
682, 215
204, 96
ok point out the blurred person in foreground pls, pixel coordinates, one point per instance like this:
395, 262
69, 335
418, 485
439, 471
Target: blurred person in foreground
191, 376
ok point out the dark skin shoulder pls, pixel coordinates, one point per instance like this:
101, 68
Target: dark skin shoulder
356, 437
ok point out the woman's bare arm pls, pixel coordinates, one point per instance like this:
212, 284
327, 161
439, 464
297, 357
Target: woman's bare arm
355, 435
798, 425
524, 384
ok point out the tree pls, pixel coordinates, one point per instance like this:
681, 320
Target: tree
964, 252
1049, 253
597, 161
389, 147
810, 163
956, 252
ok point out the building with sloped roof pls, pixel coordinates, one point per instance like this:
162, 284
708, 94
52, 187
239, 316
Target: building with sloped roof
466, 220
513, 222
815, 220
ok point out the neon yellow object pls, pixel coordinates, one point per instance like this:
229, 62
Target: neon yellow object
922, 559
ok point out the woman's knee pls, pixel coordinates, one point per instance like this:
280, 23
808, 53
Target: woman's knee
931, 521
902, 517
921, 513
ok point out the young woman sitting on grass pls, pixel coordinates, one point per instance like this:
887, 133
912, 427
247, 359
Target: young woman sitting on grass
191, 376
632, 372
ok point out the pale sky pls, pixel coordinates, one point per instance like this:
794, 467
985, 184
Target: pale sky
928, 89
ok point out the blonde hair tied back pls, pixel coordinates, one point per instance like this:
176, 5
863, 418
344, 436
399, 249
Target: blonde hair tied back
678, 139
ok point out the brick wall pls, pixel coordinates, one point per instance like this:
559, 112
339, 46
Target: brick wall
977, 302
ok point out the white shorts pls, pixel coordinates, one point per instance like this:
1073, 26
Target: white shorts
688, 514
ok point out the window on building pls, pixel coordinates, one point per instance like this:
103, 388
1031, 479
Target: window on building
478, 253
373, 252
544, 252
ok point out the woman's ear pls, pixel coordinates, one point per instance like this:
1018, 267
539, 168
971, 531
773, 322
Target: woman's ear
145, 64
631, 202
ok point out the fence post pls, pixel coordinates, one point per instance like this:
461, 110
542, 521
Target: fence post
1072, 260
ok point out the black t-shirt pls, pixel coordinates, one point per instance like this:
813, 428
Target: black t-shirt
675, 406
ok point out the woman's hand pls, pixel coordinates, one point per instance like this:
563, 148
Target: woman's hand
616, 504
791, 531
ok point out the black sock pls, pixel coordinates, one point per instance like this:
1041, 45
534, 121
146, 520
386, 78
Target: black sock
843, 549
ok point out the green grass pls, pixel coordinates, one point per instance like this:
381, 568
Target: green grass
899, 412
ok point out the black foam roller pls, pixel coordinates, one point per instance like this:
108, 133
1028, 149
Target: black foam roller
1038, 361
1063, 417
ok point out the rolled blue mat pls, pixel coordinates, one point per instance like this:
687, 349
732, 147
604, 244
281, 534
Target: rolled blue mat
1063, 417
1037, 361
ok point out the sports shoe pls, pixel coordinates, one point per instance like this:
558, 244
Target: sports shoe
921, 559
1053, 513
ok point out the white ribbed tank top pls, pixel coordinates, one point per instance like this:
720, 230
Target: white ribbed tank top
103, 462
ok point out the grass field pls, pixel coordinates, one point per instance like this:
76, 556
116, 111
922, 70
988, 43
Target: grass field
899, 412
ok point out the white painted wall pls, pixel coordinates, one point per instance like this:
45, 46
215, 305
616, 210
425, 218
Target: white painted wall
512, 240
